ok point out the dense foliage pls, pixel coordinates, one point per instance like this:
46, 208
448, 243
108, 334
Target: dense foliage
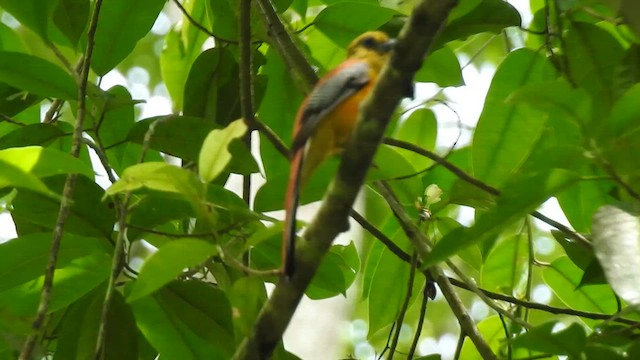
87, 174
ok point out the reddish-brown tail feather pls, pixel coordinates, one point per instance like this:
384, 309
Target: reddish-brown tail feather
291, 208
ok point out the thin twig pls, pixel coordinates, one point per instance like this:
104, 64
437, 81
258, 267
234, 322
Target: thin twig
459, 345
507, 337
10, 120
545, 308
405, 305
482, 186
50, 116
421, 317
201, 27
67, 195
246, 85
391, 246
271, 135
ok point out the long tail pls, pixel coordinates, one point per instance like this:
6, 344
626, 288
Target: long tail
291, 208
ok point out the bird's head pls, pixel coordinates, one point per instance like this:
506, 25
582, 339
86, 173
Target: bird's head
373, 46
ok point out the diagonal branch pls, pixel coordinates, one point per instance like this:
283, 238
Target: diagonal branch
420, 244
67, 194
417, 36
283, 42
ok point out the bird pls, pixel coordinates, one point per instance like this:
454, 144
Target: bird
325, 120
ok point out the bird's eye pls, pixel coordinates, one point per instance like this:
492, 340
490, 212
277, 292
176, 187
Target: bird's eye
369, 42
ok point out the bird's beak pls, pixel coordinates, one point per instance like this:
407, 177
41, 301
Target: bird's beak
388, 45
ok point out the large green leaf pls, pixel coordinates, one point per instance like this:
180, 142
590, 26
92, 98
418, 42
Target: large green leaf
505, 270
34, 14
336, 273
420, 129
593, 55
24, 258
563, 276
34, 134
70, 16
569, 341
43, 162
121, 24
344, 21
441, 67
507, 132
167, 263
211, 91
487, 16
12, 176
79, 329
181, 48
85, 264
160, 177
180, 136
616, 243
189, 320
88, 215
37, 76
223, 18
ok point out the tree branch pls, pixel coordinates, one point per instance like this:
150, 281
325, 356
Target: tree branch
246, 86
424, 24
420, 244
67, 194
283, 42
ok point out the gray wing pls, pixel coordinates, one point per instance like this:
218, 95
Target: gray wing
341, 83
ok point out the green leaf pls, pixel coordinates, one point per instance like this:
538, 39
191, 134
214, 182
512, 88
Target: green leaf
344, 21
14, 101
180, 136
488, 16
420, 129
122, 23
37, 76
117, 116
34, 134
616, 243
441, 67
593, 55
624, 115
189, 320
10, 40
506, 133
223, 19
247, 296
211, 91
34, 14
88, 215
506, 268
564, 277
43, 162
387, 290
492, 331
168, 263
518, 199
23, 259
12, 176
182, 46
158, 176
569, 341
79, 329
580, 201
214, 155
336, 273
70, 16
71, 281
